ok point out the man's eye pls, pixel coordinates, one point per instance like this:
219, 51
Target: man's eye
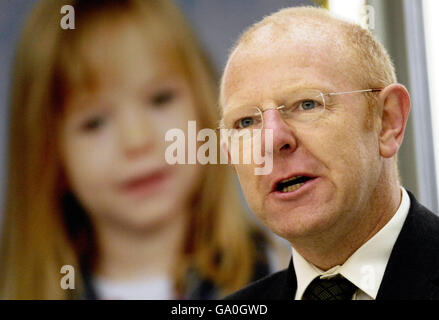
245, 123
308, 105
93, 124
162, 98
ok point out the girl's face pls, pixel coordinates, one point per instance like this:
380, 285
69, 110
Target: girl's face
113, 138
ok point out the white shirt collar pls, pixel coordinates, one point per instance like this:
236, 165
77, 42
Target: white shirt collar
365, 267
150, 288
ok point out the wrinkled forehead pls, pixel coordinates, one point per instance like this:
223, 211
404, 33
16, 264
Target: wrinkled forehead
280, 53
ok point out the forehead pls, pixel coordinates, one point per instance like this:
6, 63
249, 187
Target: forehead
273, 61
113, 48
114, 60
127, 52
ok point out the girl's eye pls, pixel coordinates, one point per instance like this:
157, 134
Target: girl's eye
93, 124
308, 105
162, 98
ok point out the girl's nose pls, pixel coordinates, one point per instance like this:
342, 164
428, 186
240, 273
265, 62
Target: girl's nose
135, 131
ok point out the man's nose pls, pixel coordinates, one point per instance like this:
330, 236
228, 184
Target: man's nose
136, 136
284, 139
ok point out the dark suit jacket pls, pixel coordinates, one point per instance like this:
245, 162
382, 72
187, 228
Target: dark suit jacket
412, 271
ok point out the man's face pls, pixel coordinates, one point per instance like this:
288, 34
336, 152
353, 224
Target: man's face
339, 151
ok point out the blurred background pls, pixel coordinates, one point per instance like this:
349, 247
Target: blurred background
407, 28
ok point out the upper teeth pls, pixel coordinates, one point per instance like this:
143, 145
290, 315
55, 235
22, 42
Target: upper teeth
290, 179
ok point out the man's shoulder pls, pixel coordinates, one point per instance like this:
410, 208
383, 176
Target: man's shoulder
423, 223
412, 269
272, 287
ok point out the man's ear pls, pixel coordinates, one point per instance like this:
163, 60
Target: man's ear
395, 101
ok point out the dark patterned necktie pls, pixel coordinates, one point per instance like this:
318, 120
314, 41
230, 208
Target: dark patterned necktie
337, 288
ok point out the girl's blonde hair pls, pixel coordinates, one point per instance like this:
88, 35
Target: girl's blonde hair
43, 227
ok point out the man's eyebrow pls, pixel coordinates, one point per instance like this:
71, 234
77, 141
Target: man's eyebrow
281, 94
313, 86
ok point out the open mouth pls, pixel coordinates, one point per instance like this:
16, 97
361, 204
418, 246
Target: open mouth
291, 184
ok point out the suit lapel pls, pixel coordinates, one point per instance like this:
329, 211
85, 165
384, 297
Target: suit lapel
413, 268
287, 284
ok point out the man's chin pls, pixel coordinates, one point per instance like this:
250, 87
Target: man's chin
296, 224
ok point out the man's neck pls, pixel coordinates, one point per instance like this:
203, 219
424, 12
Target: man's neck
327, 250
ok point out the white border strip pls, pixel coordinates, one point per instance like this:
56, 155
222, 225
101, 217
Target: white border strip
431, 25
420, 112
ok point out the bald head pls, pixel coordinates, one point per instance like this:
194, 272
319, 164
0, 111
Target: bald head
353, 49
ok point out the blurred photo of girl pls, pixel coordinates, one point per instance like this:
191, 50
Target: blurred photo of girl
88, 185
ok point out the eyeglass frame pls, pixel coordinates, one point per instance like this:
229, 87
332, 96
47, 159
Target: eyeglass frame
221, 126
